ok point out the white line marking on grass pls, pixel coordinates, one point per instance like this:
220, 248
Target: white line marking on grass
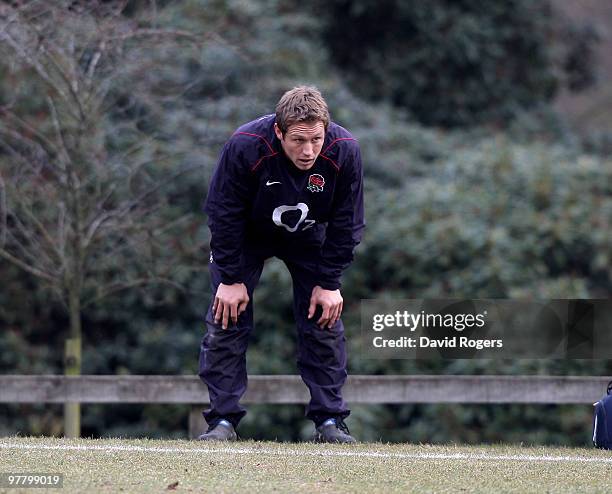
359, 454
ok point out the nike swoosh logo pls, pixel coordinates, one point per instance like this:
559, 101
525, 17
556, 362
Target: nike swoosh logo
271, 183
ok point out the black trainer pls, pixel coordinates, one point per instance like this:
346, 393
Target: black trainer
333, 431
222, 431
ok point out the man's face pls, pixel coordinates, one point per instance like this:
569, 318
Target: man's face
302, 142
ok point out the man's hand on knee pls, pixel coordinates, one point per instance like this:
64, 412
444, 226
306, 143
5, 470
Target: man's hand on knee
230, 302
330, 301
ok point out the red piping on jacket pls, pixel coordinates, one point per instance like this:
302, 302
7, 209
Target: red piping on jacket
257, 135
336, 140
261, 159
332, 162
330, 145
274, 153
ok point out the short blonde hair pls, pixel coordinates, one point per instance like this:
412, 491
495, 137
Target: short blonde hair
301, 104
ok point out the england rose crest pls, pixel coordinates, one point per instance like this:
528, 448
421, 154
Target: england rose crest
316, 183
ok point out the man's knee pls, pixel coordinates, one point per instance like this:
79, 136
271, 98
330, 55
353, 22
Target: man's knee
322, 346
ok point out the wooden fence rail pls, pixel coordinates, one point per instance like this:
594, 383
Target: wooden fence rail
290, 389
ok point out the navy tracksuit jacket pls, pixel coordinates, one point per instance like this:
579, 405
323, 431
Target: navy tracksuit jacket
260, 205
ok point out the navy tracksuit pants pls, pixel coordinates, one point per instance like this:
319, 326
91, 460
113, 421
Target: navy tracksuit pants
321, 355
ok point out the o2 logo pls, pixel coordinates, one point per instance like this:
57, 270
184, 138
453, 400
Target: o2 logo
277, 217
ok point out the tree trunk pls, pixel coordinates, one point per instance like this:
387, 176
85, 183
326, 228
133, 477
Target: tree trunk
72, 366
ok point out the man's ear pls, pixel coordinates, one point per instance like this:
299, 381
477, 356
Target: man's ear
278, 132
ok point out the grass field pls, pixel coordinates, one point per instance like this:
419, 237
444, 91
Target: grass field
120, 465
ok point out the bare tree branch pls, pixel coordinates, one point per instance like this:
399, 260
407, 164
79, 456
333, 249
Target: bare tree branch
3, 213
20, 10
95, 59
26, 267
58, 129
32, 250
23, 124
72, 84
35, 64
61, 229
118, 213
173, 223
121, 286
30, 162
44, 233
172, 33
